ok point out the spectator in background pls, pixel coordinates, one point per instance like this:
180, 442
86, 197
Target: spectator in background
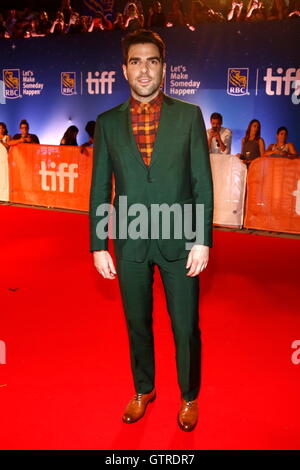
118, 24
11, 20
58, 25
294, 8
74, 25
134, 20
138, 4
236, 12
24, 137
256, 11
176, 16
253, 145
66, 9
4, 136
282, 148
90, 129
3, 32
278, 10
100, 23
219, 138
44, 25
108, 9
156, 16
70, 136
199, 13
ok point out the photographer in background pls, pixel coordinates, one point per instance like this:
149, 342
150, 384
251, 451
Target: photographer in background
256, 11
58, 25
100, 23
219, 138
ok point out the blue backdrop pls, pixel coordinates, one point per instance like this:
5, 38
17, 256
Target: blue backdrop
243, 71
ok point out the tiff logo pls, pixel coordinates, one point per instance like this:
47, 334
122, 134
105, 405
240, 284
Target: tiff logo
296, 354
53, 180
100, 84
2, 352
289, 80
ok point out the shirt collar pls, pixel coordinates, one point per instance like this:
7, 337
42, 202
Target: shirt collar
149, 107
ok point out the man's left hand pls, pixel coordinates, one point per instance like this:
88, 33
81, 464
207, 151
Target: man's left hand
197, 259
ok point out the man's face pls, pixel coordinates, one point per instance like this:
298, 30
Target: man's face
216, 124
24, 129
144, 71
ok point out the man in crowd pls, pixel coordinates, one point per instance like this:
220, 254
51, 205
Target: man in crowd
219, 138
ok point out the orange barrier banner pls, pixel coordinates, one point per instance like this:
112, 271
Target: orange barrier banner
4, 175
50, 175
273, 195
229, 179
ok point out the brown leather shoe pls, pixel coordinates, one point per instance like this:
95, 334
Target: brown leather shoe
137, 406
188, 415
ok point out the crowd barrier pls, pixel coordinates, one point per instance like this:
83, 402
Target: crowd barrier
265, 197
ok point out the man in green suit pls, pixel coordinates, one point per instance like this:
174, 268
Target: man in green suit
156, 148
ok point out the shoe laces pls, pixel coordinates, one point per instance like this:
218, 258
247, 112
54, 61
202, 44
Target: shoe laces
138, 396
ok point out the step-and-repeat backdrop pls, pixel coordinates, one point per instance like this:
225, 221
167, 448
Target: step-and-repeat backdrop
243, 71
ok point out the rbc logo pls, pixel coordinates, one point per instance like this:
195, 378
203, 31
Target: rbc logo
68, 83
11, 79
237, 82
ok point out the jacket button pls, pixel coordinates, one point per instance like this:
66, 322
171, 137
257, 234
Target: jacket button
150, 180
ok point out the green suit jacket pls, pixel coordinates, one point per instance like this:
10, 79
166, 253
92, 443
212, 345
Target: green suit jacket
179, 172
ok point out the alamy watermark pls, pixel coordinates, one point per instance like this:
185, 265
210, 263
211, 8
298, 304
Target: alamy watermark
134, 221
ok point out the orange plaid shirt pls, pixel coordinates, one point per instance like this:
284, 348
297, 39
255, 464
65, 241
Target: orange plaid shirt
145, 120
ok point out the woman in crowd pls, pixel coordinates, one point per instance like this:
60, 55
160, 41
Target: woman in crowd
282, 148
4, 136
176, 15
118, 24
156, 17
70, 136
253, 145
278, 10
256, 11
58, 25
134, 20
236, 12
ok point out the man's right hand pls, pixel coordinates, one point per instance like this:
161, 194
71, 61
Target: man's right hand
104, 264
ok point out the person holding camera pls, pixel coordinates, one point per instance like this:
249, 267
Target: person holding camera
219, 138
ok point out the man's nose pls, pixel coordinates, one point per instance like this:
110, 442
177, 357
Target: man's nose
144, 66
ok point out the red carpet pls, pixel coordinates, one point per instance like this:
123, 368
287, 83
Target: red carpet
67, 377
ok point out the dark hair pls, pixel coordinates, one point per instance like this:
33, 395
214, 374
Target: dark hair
282, 128
257, 135
5, 128
24, 122
140, 36
90, 128
70, 135
217, 116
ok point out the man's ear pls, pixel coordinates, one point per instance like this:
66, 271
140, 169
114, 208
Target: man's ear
164, 72
124, 68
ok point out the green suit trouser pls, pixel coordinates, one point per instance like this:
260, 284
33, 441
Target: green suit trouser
182, 294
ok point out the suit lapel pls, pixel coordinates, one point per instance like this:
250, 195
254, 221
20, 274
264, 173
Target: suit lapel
164, 129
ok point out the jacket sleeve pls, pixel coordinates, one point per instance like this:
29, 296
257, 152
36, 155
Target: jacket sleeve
101, 186
201, 177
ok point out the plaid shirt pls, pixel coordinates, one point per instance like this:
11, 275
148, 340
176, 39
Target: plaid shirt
145, 120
